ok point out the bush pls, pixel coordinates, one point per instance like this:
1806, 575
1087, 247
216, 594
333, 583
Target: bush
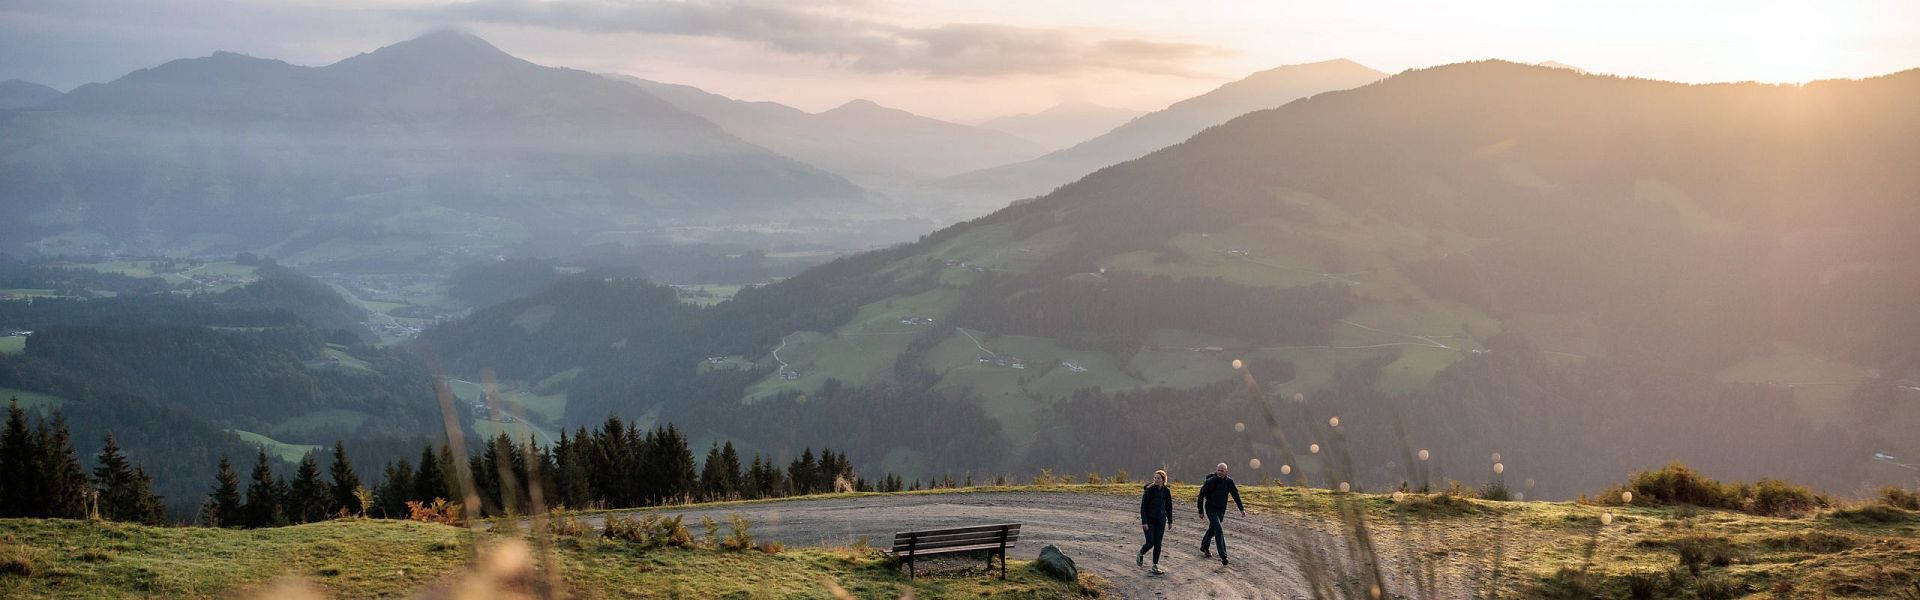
771, 547
1120, 476
568, 526
712, 530
1899, 498
624, 528
439, 511
1676, 484
741, 537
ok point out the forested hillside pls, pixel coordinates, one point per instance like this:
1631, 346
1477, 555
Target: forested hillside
1585, 274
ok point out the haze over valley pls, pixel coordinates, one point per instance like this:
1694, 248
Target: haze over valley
1445, 315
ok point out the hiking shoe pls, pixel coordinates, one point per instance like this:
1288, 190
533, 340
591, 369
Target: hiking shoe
1156, 570
1223, 561
1140, 560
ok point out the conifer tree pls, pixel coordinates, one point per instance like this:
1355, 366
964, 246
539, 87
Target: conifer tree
390, 500
64, 489
730, 458
264, 497
223, 507
124, 493
431, 481
346, 483
307, 497
18, 458
713, 483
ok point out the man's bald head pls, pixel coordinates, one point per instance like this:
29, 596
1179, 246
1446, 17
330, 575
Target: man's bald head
1220, 469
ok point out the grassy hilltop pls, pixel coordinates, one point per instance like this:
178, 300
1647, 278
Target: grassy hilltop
1514, 549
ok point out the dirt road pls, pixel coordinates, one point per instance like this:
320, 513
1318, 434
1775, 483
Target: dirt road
1100, 532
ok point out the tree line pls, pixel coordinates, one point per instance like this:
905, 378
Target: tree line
41, 477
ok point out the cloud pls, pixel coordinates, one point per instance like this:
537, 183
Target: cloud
863, 43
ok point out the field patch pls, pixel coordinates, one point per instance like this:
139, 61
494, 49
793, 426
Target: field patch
330, 420
13, 344
285, 451
31, 401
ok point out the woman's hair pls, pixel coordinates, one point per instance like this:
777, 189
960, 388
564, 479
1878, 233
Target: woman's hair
1162, 474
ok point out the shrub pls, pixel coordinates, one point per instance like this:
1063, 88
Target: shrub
1120, 476
439, 511
711, 528
1899, 498
567, 525
771, 547
1676, 484
1093, 478
1647, 585
1776, 498
670, 532
1566, 584
624, 528
1046, 477
741, 538
1496, 491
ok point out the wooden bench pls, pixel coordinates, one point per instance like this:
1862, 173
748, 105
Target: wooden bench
994, 539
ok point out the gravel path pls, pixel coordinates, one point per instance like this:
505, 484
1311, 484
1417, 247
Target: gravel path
1100, 532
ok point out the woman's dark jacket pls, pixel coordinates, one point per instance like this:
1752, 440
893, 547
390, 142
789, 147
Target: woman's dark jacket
1156, 505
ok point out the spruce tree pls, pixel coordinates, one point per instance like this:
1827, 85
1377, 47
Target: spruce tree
431, 481
124, 494
264, 502
65, 490
150, 509
396, 488
346, 483
713, 482
307, 498
223, 508
18, 463
730, 458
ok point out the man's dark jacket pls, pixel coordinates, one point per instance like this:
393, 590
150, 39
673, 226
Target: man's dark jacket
1156, 505
1214, 493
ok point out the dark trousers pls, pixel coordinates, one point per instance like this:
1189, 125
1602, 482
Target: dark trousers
1155, 532
1214, 533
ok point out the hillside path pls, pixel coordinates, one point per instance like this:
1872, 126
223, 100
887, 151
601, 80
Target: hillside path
1099, 532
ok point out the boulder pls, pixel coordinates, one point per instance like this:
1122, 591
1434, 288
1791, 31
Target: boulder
1056, 564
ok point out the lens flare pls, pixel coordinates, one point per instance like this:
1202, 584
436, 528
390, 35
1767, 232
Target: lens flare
1286, 469
1239, 427
1254, 464
1424, 455
1333, 422
1496, 457
1499, 468
1626, 497
1299, 397
1314, 448
1606, 518
1237, 365
1344, 488
1398, 496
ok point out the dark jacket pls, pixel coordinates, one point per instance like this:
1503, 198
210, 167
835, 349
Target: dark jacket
1156, 505
1214, 493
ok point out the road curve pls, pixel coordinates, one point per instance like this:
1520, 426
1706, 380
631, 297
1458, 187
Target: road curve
1100, 532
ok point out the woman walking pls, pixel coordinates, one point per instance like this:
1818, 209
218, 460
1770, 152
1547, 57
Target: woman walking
1156, 515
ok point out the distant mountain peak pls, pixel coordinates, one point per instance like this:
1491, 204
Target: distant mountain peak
859, 105
24, 94
440, 48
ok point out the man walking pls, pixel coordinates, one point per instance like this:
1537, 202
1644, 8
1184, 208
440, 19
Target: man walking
1213, 503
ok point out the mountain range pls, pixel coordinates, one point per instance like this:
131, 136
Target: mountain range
1158, 129
1587, 274
24, 94
442, 141
873, 145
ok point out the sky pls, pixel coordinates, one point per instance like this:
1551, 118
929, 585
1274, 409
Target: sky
970, 60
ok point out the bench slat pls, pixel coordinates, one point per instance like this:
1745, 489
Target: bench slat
972, 548
923, 533
930, 541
